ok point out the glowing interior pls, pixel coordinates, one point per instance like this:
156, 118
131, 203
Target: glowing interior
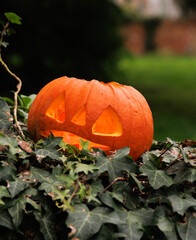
74, 139
56, 110
80, 117
108, 124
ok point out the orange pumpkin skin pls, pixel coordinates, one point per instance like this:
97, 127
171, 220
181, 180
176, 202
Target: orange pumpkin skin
109, 115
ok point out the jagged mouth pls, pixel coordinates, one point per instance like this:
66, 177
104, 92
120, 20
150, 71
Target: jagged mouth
73, 139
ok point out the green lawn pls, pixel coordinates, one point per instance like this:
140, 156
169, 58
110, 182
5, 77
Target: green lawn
169, 85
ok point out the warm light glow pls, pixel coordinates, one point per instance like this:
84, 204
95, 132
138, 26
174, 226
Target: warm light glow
80, 117
108, 123
73, 139
56, 110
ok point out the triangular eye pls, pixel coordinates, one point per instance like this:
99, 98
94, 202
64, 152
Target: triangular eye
108, 123
56, 110
80, 117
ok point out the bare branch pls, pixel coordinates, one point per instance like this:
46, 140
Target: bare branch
19, 85
115, 180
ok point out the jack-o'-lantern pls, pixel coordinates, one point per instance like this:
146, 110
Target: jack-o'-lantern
109, 115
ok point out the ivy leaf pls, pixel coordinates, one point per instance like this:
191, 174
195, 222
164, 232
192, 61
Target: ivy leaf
46, 222
84, 144
27, 101
86, 168
67, 179
3, 193
51, 183
81, 191
183, 172
115, 164
121, 192
51, 153
5, 219
134, 221
54, 184
107, 199
118, 190
187, 230
33, 203
11, 142
107, 234
13, 18
184, 154
51, 142
95, 188
5, 117
16, 186
186, 174
4, 44
16, 212
62, 197
39, 174
157, 178
136, 181
107, 215
164, 223
181, 204
50, 148
87, 222
7, 171
156, 199
17, 206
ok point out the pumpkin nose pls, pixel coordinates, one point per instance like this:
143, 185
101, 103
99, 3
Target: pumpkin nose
108, 124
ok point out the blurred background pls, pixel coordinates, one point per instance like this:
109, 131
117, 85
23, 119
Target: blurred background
148, 44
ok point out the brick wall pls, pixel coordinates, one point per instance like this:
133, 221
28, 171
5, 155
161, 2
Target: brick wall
177, 37
134, 37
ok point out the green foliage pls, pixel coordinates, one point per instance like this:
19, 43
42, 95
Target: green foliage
5, 117
13, 18
24, 104
168, 84
5, 29
51, 190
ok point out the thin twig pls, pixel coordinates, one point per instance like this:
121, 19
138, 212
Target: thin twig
19, 85
115, 180
172, 162
74, 192
3, 32
167, 149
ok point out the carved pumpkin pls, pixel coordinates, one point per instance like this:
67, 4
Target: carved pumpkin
108, 115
